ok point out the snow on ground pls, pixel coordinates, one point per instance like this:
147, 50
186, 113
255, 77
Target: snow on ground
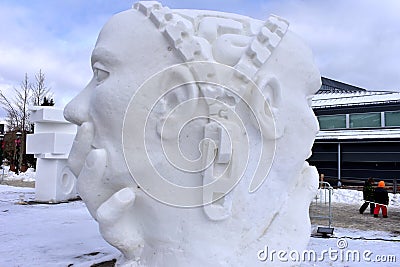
355, 248
28, 176
362, 248
353, 197
47, 235
66, 235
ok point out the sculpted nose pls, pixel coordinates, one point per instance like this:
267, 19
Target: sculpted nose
77, 111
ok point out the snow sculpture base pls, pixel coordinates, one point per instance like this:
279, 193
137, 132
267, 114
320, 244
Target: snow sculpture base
51, 144
193, 137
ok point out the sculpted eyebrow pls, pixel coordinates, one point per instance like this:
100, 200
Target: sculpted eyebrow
104, 56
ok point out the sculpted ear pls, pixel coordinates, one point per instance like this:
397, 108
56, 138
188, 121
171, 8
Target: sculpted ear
268, 108
272, 91
185, 89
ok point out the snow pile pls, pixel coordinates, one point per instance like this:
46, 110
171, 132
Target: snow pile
28, 176
355, 197
347, 196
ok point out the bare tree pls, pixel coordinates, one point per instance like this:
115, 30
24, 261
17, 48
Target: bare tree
18, 116
12, 114
40, 91
28, 93
22, 102
17, 107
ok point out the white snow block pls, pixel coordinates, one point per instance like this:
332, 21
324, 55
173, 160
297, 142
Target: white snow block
47, 114
54, 182
51, 144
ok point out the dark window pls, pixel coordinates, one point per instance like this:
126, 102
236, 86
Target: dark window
392, 118
365, 120
332, 121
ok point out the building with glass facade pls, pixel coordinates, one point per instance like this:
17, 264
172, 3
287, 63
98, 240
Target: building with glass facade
359, 133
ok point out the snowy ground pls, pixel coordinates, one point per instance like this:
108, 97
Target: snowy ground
7, 175
47, 235
352, 247
66, 235
355, 247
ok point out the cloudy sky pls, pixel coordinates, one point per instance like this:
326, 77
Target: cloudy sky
354, 41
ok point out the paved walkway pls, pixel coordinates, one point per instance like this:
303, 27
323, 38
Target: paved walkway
348, 216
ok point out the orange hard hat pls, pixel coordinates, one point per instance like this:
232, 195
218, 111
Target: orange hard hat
381, 184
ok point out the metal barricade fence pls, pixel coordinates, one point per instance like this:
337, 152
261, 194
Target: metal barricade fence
321, 207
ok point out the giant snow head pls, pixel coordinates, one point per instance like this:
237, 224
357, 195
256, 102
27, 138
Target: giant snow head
193, 135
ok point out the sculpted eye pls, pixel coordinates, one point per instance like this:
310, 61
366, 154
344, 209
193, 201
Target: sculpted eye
99, 73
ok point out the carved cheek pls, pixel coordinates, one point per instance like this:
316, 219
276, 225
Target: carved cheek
312, 122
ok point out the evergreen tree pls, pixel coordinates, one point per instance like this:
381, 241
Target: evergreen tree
47, 102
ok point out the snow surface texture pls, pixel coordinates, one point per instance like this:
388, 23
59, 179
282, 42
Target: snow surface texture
64, 234
356, 197
28, 176
187, 144
47, 235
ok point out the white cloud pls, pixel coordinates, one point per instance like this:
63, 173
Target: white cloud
33, 41
353, 41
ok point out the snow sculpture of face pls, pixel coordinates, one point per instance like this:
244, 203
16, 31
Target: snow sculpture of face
193, 135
